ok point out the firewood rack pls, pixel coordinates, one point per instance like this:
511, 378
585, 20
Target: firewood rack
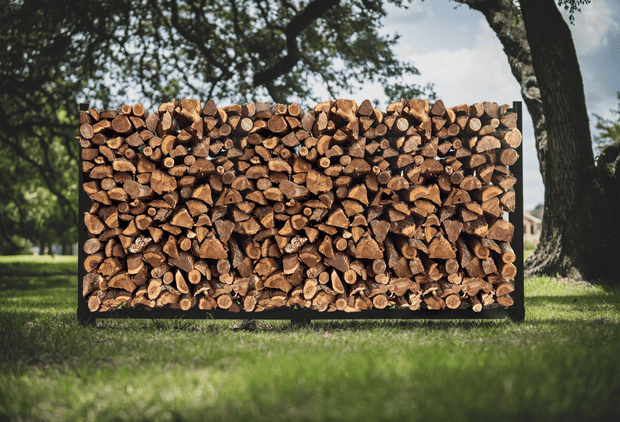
516, 312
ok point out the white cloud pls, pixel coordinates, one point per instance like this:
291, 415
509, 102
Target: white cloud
594, 26
606, 108
467, 75
481, 73
466, 66
412, 7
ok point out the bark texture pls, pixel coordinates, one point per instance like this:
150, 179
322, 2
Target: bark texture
577, 231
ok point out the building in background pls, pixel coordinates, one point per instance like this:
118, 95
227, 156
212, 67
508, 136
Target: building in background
531, 228
56, 249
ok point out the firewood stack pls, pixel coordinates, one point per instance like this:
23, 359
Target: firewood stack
256, 207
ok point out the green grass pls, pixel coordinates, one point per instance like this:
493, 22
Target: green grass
528, 250
559, 365
526, 254
29, 265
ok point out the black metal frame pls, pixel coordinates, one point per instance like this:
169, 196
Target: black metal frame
516, 312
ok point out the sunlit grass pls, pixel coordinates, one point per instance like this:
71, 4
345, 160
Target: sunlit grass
17, 265
560, 364
27, 259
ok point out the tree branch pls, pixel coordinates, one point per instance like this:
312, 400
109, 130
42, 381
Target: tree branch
15, 146
206, 52
314, 10
237, 29
6, 236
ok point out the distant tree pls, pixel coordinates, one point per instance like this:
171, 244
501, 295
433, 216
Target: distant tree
580, 233
538, 211
608, 129
51, 51
241, 50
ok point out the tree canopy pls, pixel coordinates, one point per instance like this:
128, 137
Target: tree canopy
109, 52
49, 53
241, 50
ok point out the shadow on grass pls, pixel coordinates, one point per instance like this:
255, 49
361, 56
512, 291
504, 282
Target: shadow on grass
577, 324
593, 298
23, 283
34, 268
425, 326
350, 326
369, 325
39, 294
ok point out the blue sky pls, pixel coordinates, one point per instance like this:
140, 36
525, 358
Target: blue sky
457, 51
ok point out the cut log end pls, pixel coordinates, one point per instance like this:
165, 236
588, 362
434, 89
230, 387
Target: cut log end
338, 208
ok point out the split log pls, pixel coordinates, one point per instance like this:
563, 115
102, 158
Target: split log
260, 197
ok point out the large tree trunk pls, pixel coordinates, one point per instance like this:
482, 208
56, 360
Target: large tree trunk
578, 236
577, 231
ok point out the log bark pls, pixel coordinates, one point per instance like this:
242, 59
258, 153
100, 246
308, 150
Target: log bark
237, 218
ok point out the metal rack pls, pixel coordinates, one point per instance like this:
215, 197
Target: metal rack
516, 312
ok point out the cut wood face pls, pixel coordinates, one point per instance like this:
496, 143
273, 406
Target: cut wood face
339, 208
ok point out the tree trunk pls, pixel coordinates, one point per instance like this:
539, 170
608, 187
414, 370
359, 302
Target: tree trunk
577, 230
578, 236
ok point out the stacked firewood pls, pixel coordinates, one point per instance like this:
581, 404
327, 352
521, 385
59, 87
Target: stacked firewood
342, 207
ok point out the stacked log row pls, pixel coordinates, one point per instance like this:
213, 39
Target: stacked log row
342, 207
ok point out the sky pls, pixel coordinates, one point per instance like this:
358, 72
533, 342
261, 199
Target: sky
455, 49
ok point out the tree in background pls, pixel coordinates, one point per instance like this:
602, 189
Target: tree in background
538, 211
608, 129
242, 50
54, 51
607, 142
580, 234
49, 51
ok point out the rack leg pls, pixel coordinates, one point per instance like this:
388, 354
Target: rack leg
517, 314
301, 322
86, 321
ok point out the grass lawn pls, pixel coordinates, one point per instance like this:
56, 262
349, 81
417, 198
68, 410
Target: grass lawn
561, 364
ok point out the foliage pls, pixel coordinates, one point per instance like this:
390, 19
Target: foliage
538, 211
572, 6
54, 51
608, 130
241, 50
608, 161
559, 364
50, 50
